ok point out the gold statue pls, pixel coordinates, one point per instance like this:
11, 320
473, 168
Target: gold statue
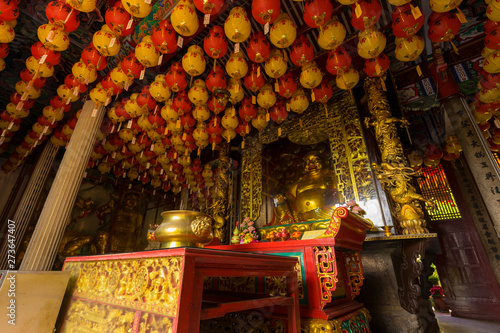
314, 195
125, 234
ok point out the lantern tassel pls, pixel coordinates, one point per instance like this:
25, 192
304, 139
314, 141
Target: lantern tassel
326, 110
454, 47
383, 84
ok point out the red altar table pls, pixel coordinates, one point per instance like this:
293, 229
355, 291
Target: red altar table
163, 290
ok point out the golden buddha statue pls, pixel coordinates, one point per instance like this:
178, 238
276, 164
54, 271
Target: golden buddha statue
314, 195
126, 231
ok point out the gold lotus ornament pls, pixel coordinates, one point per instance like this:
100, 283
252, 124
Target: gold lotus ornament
237, 26
53, 38
299, 101
193, 61
184, 19
137, 8
283, 32
276, 64
347, 79
146, 53
311, 76
371, 43
331, 35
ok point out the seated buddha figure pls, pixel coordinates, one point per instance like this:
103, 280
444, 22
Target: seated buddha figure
314, 195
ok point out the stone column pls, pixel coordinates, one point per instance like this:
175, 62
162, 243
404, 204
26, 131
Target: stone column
42, 249
478, 155
27, 204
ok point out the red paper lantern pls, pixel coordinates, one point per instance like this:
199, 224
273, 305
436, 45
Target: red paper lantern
214, 127
216, 79
323, 92
15, 98
247, 110
404, 23
156, 120
317, 12
131, 65
56, 102
91, 56
489, 80
287, 85
62, 15
210, 7
445, 27
338, 60
302, 51
4, 50
108, 84
243, 128
254, 80
72, 82
215, 43
118, 19
8, 10
27, 76
489, 25
176, 77
376, 67
164, 37
187, 120
278, 112
492, 39
144, 99
217, 105
45, 122
266, 11
369, 13
258, 49
52, 57
181, 103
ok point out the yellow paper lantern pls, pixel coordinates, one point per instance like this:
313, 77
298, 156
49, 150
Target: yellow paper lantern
119, 77
100, 96
283, 32
106, 43
493, 12
311, 76
53, 38
44, 70
489, 66
132, 108
65, 93
398, 2
159, 90
371, 43
228, 134
237, 26
488, 95
198, 94
201, 113
348, 79
12, 127
276, 64
299, 101
486, 52
137, 8
236, 90
409, 48
168, 113
41, 129
84, 73
12, 110
260, 122
443, 6
236, 66
200, 133
146, 53
230, 119
266, 97
331, 35
33, 92
193, 61
184, 19
52, 114
7, 33
2, 64
85, 6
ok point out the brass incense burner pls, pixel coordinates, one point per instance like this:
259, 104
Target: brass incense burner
184, 228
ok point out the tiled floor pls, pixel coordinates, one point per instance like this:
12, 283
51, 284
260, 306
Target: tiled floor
449, 324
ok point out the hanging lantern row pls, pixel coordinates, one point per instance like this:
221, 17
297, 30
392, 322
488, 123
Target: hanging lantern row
8, 16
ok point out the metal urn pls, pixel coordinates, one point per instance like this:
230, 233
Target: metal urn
184, 228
